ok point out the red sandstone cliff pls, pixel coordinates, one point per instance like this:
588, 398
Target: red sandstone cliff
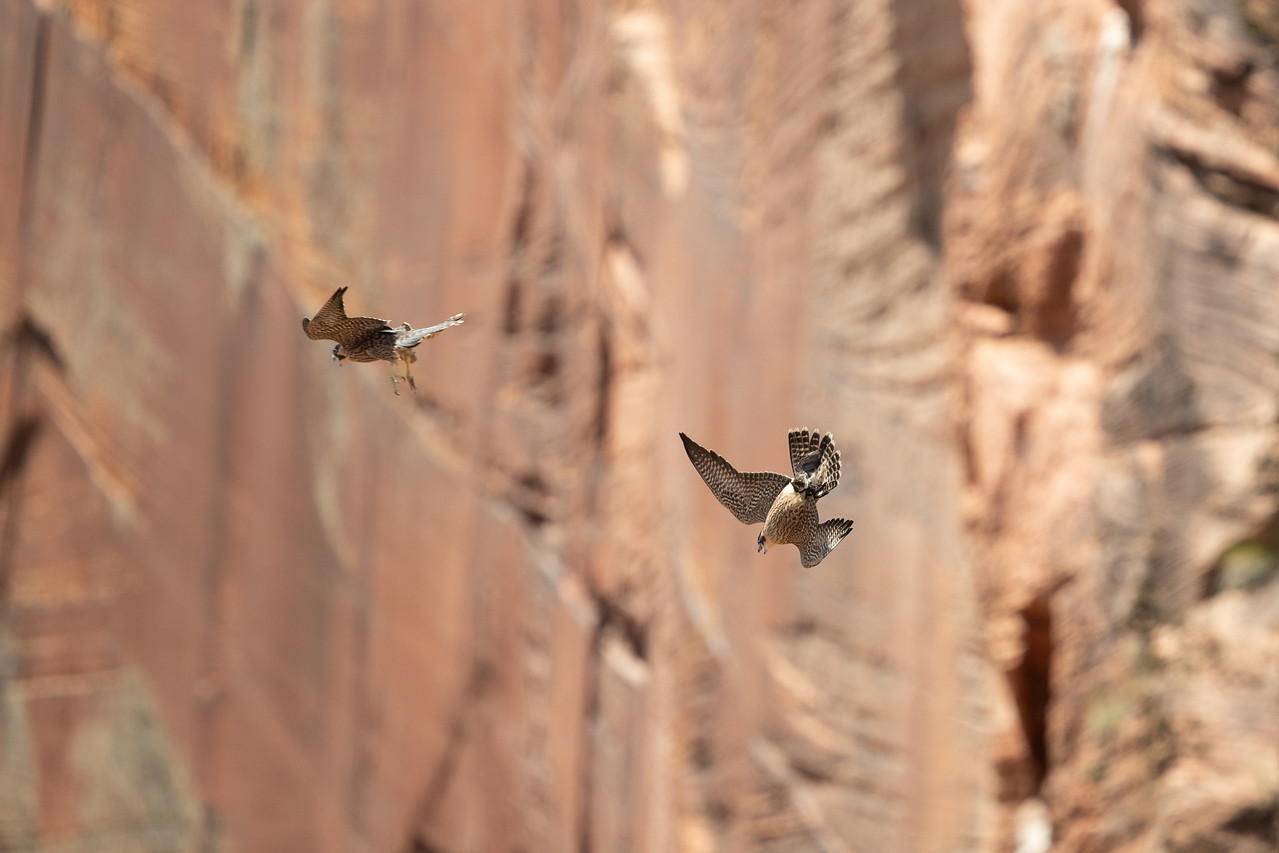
1022, 259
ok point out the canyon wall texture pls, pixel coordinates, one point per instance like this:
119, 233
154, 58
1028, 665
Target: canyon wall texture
1021, 258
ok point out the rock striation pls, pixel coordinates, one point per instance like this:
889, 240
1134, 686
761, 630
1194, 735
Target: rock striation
1020, 259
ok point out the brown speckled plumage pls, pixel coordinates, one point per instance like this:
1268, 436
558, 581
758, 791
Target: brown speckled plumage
786, 505
370, 338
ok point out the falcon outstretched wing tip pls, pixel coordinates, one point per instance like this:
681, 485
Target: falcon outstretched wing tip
698, 455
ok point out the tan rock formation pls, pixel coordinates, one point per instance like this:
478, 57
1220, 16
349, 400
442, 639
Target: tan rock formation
1019, 258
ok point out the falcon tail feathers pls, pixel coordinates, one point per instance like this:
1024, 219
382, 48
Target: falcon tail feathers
803, 452
826, 478
814, 460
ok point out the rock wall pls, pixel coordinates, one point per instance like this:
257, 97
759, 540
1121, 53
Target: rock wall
1020, 258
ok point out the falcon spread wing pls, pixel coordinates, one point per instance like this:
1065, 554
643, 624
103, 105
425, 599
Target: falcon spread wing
824, 539
406, 337
748, 495
330, 323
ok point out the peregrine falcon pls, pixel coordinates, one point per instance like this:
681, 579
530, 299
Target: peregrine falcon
786, 505
368, 338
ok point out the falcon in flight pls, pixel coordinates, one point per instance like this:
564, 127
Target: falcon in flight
368, 338
786, 505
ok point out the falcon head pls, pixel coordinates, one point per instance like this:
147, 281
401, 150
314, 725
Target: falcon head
763, 545
338, 355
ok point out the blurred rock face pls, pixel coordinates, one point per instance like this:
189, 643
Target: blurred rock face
1021, 261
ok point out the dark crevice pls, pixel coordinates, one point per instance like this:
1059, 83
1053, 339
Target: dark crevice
804, 625
544, 369
1055, 320
1211, 581
1230, 87
1001, 292
703, 754
531, 496
617, 237
1259, 821
546, 366
614, 617
533, 482
523, 223
1136, 19
421, 845
17, 449
1232, 189
28, 336
604, 390
1031, 684
812, 774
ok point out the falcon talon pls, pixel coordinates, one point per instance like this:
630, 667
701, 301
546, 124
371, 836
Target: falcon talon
786, 505
370, 338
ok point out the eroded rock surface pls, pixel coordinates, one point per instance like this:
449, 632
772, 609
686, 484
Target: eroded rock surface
1021, 259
